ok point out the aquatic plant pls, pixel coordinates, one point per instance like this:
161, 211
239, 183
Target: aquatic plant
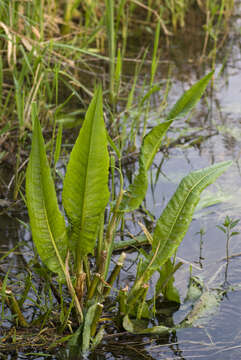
66, 250
227, 228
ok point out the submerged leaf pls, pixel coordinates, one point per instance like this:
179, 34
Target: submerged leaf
140, 327
195, 289
47, 222
85, 191
207, 305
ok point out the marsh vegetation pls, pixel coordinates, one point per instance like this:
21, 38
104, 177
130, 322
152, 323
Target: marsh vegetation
84, 150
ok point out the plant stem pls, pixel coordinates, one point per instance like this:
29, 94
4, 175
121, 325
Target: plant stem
111, 231
115, 273
96, 319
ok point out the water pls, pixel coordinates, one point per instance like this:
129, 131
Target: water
219, 114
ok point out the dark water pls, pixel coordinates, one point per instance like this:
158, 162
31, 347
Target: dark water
218, 115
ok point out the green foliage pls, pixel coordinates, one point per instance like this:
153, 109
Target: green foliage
47, 222
190, 98
165, 283
36, 72
227, 228
136, 192
176, 217
174, 222
228, 225
151, 143
85, 197
85, 191
137, 327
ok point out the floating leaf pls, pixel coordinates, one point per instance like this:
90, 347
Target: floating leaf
207, 305
139, 327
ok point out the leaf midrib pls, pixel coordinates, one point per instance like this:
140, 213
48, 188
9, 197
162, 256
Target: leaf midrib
183, 203
42, 166
88, 165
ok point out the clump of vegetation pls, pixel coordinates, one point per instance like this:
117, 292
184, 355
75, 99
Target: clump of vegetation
51, 50
68, 251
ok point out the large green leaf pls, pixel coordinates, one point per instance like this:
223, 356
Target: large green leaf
152, 141
177, 216
136, 192
47, 222
85, 191
189, 99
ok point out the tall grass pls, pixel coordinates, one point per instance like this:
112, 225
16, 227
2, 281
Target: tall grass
49, 33
85, 41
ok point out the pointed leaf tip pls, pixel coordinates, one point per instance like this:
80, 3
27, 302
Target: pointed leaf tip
46, 221
189, 99
85, 191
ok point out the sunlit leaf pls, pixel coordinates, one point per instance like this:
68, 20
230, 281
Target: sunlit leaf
152, 142
136, 191
176, 217
47, 222
85, 191
189, 99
